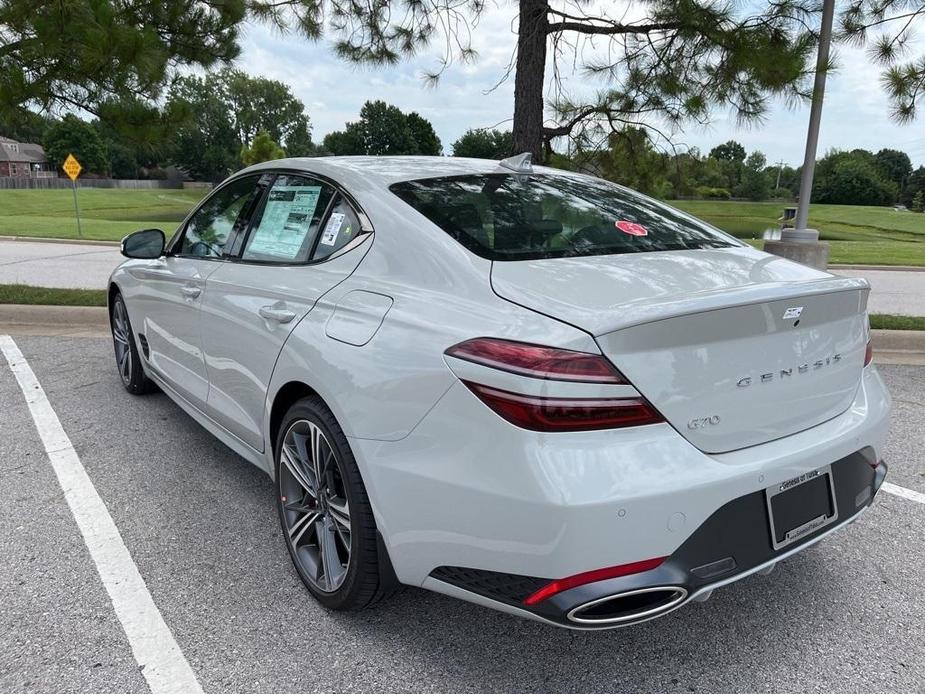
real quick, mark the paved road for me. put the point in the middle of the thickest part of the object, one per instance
(88, 267)
(199, 522)
(893, 291)
(67, 265)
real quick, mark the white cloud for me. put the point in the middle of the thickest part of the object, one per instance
(856, 112)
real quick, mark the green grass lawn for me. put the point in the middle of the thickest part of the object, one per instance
(104, 214)
(26, 294)
(861, 235)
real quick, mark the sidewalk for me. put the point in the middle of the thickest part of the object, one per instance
(62, 265)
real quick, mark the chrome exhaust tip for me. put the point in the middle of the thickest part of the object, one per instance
(626, 608)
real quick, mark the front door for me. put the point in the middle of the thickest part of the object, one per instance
(252, 303)
(173, 286)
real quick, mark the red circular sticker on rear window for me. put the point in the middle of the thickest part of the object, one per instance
(631, 228)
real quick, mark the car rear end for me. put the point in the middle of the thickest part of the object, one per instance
(728, 418)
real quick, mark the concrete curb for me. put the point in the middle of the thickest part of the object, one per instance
(44, 239)
(62, 320)
(879, 268)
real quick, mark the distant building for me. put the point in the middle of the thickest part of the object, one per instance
(24, 160)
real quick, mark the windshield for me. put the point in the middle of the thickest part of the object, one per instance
(523, 217)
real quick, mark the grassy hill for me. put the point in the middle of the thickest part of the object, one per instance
(865, 235)
(104, 214)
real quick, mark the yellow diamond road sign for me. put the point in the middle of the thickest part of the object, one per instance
(72, 167)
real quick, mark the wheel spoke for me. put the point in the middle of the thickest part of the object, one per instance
(330, 559)
(316, 454)
(298, 528)
(295, 470)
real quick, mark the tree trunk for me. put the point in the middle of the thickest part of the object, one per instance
(529, 78)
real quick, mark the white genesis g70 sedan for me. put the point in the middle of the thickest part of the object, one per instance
(527, 388)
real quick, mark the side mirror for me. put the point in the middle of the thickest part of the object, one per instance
(146, 244)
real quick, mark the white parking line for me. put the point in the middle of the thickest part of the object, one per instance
(162, 662)
(896, 490)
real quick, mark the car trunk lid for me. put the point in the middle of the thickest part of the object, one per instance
(733, 346)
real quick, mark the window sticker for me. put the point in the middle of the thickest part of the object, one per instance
(631, 228)
(286, 221)
(332, 228)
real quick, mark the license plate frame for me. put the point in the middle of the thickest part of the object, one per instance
(815, 521)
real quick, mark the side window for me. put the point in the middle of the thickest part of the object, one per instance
(209, 228)
(288, 224)
(341, 228)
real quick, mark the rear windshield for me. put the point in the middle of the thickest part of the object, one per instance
(523, 217)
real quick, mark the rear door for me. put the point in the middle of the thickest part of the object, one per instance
(304, 238)
(172, 287)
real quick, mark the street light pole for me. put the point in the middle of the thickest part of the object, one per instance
(815, 116)
(802, 244)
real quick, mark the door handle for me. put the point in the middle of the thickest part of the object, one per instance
(190, 292)
(280, 315)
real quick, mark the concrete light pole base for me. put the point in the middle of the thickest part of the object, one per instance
(801, 246)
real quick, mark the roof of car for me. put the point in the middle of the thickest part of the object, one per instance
(385, 170)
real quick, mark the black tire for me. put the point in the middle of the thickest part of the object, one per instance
(361, 583)
(128, 362)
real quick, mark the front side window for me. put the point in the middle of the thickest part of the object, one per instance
(288, 225)
(208, 229)
(523, 217)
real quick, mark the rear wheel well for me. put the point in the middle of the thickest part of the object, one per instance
(285, 398)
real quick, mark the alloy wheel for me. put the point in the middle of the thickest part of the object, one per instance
(316, 513)
(121, 334)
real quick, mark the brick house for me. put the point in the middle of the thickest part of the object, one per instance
(23, 160)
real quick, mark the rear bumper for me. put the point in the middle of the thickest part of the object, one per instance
(467, 489)
(732, 544)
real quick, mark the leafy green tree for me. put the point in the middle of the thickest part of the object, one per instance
(77, 54)
(258, 104)
(484, 144)
(894, 165)
(74, 136)
(384, 130)
(24, 125)
(755, 182)
(214, 116)
(918, 202)
(631, 160)
(204, 143)
(915, 184)
(728, 151)
(345, 142)
(423, 135)
(263, 148)
(851, 178)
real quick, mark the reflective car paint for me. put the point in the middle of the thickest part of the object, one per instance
(430, 452)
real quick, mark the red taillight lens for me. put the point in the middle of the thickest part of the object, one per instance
(537, 361)
(570, 582)
(869, 354)
(566, 414)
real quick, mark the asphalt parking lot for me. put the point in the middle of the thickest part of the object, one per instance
(200, 525)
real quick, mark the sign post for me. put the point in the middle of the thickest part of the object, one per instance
(73, 168)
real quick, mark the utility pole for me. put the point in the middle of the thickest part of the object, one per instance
(780, 167)
(802, 244)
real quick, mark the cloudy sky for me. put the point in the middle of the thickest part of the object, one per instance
(855, 115)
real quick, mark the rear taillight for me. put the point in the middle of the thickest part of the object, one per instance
(566, 414)
(551, 414)
(537, 361)
(869, 354)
